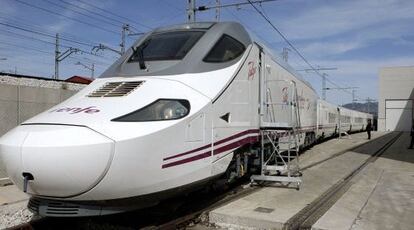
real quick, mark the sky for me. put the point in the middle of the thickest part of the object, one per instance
(355, 37)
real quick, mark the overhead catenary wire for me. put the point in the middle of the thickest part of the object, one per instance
(27, 24)
(48, 42)
(116, 15)
(43, 51)
(25, 47)
(32, 33)
(92, 16)
(98, 14)
(45, 34)
(9, 33)
(36, 51)
(284, 38)
(68, 17)
(289, 43)
(202, 8)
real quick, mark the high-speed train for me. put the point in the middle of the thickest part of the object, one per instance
(168, 116)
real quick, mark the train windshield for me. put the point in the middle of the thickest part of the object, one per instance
(166, 46)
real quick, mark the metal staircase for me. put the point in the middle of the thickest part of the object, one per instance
(280, 139)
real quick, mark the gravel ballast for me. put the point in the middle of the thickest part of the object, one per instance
(14, 214)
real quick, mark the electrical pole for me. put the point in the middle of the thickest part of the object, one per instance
(369, 100)
(285, 54)
(218, 4)
(56, 57)
(324, 75)
(191, 11)
(344, 88)
(125, 28)
(324, 86)
(91, 68)
(61, 56)
(353, 98)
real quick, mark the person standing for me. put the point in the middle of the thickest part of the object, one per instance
(369, 128)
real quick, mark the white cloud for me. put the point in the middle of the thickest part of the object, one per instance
(318, 49)
(337, 17)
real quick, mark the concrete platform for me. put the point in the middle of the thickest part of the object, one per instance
(11, 194)
(273, 207)
(383, 196)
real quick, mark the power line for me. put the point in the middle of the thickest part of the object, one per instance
(52, 43)
(37, 60)
(25, 47)
(62, 15)
(95, 13)
(91, 61)
(83, 14)
(10, 33)
(202, 8)
(290, 44)
(284, 38)
(116, 15)
(45, 34)
(23, 23)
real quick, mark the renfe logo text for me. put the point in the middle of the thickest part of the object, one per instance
(89, 110)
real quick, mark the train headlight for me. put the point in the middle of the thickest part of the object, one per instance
(159, 110)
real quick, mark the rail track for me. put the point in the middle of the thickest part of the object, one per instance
(177, 213)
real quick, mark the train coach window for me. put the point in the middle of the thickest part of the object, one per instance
(226, 49)
(159, 110)
(332, 118)
(166, 46)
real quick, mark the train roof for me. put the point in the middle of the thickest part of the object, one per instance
(204, 34)
(192, 63)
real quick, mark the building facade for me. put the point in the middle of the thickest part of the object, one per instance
(396, 96)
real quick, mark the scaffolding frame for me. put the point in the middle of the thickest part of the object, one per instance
(279, 153)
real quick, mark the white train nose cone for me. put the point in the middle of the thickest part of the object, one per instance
(63, 160)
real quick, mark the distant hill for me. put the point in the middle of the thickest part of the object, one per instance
(368, 107)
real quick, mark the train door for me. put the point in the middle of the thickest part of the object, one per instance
(235, 115)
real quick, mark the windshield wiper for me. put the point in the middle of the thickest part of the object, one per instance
(140, 52)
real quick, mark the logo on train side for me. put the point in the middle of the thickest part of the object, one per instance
(75, 110)
(285, 95)
(251, 71)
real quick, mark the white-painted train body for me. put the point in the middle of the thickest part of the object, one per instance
(169, 115)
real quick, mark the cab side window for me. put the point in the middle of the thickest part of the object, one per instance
(226, 49)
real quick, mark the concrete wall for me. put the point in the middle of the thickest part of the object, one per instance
(22, 98)
(394, 83)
